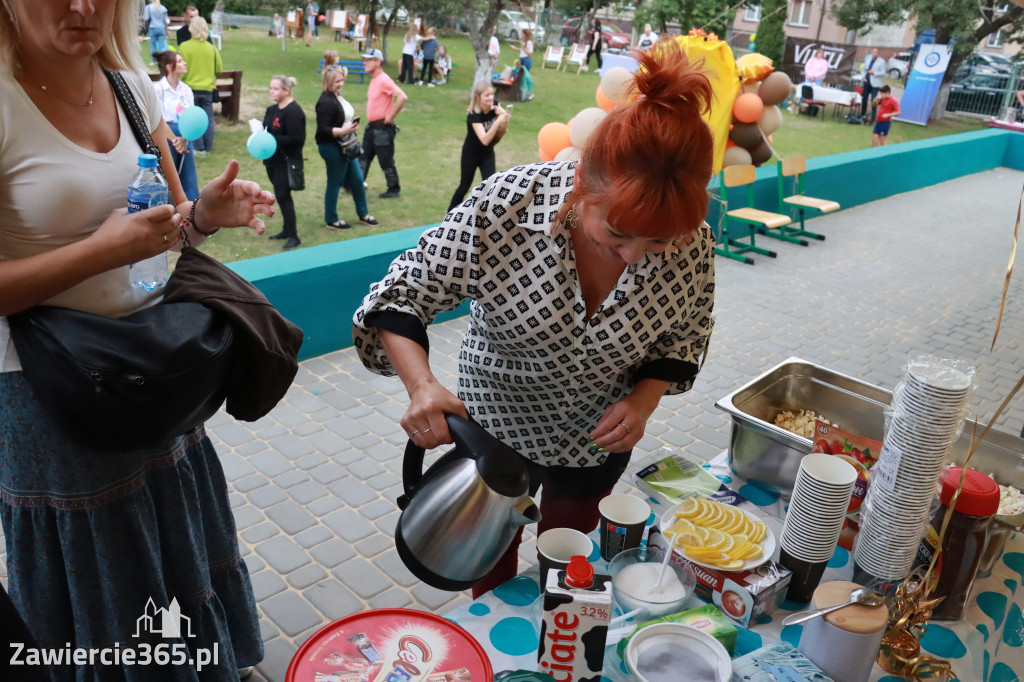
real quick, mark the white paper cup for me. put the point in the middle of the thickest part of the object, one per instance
(556, 546)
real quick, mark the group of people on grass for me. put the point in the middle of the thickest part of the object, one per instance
(423, 53)
(346, 159)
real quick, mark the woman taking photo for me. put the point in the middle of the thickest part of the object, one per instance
(204, 64)
(174, 98)
(286, 121)
(486, 124)
(93, 536)
(615, 266)
(336, 123)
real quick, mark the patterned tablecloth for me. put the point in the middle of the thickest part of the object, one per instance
(987, 645)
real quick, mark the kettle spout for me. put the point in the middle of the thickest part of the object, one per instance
(525, 512)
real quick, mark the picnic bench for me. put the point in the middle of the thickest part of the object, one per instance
(229, 90)
(507, 89)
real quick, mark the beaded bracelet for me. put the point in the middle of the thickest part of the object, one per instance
(191, 220)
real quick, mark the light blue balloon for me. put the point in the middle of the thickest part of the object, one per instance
(192, 123)
(262, 145)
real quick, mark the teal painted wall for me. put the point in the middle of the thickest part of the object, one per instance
(319, 288)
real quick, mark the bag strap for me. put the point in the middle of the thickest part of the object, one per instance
(131, 108)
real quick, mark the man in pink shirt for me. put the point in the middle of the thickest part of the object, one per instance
(384, 100)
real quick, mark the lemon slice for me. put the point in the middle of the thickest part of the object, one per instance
(731, 565)
(718, 540)
(760, 530)
(684, 526)
(734, 526)
(689, 539)
(688, 509)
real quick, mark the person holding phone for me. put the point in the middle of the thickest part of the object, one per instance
(486, 124)
(337, 140)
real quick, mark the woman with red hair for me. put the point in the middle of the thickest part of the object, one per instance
(592, 286)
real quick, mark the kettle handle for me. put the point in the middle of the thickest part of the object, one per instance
(412, 464)
(412, 472)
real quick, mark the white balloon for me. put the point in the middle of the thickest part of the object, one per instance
(568, 154)
(736, 156)
(583, 125)
(770, 120)
(615, 83)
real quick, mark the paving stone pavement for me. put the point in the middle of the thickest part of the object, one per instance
(314, 483)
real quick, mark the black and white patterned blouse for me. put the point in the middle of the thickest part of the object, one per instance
(533, 370)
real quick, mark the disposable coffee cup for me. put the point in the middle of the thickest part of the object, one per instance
(806, 576)
(556, 546)
(623, 519)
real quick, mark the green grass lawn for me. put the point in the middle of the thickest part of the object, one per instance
(432, 130)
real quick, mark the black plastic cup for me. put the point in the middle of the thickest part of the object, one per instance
(806, 576)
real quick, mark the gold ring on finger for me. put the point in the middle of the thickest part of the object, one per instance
(165, 239)
(628, 430)
(426, 430)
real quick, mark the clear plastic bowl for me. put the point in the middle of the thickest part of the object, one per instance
(632, 587)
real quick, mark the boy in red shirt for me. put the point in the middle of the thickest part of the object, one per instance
(888, 106)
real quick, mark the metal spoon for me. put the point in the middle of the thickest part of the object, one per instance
(862, 595)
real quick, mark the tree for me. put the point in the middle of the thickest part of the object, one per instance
(706, 14)
(962, 24)
(480, 26)
(771, 32)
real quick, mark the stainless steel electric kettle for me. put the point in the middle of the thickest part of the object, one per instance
(460, 516)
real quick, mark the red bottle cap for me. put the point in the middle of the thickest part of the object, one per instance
(980, 496)
(579, 573)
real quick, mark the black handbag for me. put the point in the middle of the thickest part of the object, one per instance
(350, 147)
(122, 384)
(296, 174)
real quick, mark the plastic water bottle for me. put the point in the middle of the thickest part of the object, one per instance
(148, 189)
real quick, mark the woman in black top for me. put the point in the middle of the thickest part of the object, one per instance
(596, 41)
(336, 122)
(286, 121)
(486, 124)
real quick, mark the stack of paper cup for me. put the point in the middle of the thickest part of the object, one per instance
(925, 415)
(817, 510)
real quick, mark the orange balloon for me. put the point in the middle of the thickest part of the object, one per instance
(729, 144)
(748, 107)
(544, 156)
(569, 122)
(602, 101)
(553, 138)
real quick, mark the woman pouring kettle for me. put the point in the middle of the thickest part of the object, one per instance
(592, 286)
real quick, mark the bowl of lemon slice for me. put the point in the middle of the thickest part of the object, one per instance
(715, 535)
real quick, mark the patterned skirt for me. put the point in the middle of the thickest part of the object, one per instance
(122, 551)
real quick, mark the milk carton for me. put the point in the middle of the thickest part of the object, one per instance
(577, 609)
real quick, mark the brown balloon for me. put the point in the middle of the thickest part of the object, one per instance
(775, 88)
(746, 135)
(760, 153)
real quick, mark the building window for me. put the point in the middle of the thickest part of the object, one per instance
(753, 13)
(801, 13)
(995, 39)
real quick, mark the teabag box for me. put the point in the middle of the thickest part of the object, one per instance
(577, 608)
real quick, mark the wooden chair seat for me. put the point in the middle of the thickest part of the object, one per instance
(759, 217)
(823, 205)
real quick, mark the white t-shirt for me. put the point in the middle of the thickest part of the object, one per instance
(409, 46)
(173, 101)
(646, 41)
(528, 51)
(57, 193)
(493, 48)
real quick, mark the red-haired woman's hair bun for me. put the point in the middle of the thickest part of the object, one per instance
(649, 161)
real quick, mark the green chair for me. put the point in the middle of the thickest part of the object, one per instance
(795, 167)
(752, 219)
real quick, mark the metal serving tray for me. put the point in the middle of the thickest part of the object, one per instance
(763, 453)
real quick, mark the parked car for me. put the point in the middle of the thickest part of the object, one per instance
(402, 17)
(899, 64)
(614, 37)
(980, 93)
(511, 25)
(983, 62)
